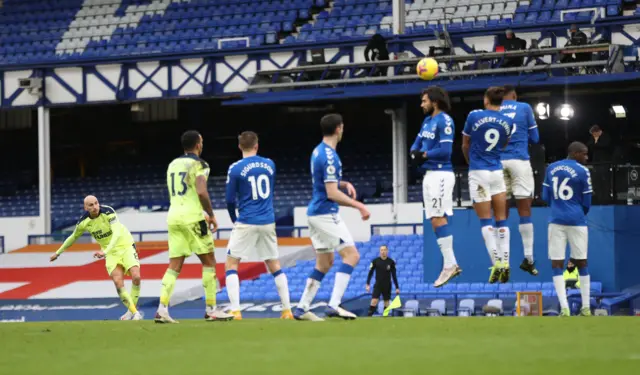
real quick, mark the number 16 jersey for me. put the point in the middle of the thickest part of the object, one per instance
(185, 205)
(251, 181)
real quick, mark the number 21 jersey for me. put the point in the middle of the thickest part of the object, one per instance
(489, 131)
(251, 181)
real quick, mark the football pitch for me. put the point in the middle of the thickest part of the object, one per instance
(398, 346)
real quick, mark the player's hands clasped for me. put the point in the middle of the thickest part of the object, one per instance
(98, 254)
(54, 257)
(367, 288)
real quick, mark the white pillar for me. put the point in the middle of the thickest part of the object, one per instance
(44, 167)
(399, 139)
(398, 16)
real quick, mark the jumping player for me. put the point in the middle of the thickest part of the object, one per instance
(117, 247)
(518, 175)
(251, 180)
(567, 190)
(327, 230)
(189, 230)
(434, 145)
(486, 132)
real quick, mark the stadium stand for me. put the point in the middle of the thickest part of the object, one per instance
(407, 251)
(50, 31)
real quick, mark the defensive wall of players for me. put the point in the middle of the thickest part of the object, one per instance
(220, 74)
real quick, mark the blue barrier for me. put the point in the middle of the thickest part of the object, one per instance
(139, 236)
(613, 251)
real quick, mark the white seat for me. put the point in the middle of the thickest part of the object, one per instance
(436, 14)
(386, 20)
(463, 3)
(485, 10)
(452, 3)
(478, 2)
(411, 308)
(440, 4)
(473, 10)
(437, 308)
(466, 307)
(469, 19)
(449, 11)
(497, 303)
(498, 8)
(510, 7)
(414, 6)
(460, 12)
(424, 14)
(524, 2)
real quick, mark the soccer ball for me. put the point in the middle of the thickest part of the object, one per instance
(427, 68)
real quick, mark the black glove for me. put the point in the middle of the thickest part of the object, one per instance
(417, 158)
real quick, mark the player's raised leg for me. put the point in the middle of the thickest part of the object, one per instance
(557, 241)
(503, 235)
(578, 238)
(117, 275)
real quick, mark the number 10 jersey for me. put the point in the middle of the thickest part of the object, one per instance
(251, 181)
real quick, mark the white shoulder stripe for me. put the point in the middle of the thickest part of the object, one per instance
(446, 140)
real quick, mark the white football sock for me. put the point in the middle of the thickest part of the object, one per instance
(282, 284)
(526, 232)
(233, 291)
(309, 293)
(561, 291)
(585, 290)
(489, 236)
(503, 244)
(446, 248)
(340, 285)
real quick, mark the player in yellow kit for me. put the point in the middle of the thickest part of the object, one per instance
(189, 230)
(117, 247)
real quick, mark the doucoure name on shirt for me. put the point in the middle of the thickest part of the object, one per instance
(250, 166)
(484, 120)
(565, 168)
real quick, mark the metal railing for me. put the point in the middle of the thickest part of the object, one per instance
(154, 235)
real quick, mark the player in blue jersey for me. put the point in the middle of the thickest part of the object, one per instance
(434, 144)
(518, 175)
(567, 190)
(251, 181)
(327, 230)
(486, 133)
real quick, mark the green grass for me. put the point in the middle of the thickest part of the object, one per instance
(597, 345)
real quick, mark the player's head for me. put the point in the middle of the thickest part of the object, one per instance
(434, 97)
(91, 205)
(571, 266)
(578, 151)
(248, 142)
(510, 92)
(493, 97)
(332, 125)
(384, 251)
(192, 142)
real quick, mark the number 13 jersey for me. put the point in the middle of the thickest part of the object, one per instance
(185, 205)
(251, 181)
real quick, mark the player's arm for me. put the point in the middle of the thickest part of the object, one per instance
(534, 135)
(416, 152)
(348, 186)
(203, 194)
(466, 138)
(372, 269)
(546, 190)
(334, 194)
(394, 276)
(77, 232)
(230, 195)
(444, 149)
(587, 193)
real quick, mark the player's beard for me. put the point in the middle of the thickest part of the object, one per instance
(428, 111)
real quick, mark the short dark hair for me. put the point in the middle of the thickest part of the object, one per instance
(495, 95)
(508, 89)
(438, 95)
(329, 123)
(576, 147)
(595, 128)
(190, 139)
(247, 140)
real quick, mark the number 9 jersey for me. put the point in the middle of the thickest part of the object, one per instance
(185, 205)
(251, 181)
(489, 132)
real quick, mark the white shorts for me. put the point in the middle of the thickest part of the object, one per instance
(437, 193)
(577, 237)
(329, 232)
(518, 178)
(246, 238)
(485, 184)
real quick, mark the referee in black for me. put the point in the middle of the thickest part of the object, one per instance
(385, 269)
